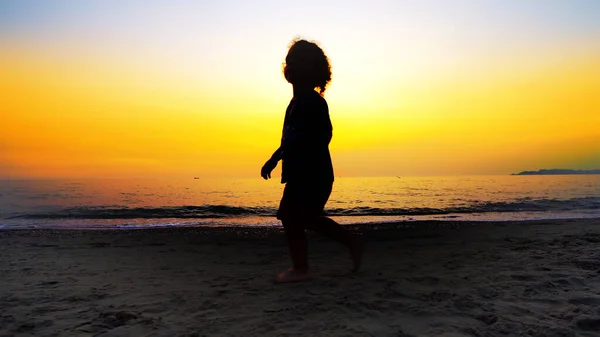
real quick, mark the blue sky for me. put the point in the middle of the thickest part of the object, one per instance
(537, 19)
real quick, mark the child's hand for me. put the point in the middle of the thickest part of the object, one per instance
(265, 172)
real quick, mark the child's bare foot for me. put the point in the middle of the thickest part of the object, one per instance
(357, 249)
(293, 275)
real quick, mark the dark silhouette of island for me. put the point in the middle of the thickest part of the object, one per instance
(555, 172)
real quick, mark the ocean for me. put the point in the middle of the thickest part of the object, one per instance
(148, 203)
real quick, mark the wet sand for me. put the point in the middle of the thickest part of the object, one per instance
(536, 278)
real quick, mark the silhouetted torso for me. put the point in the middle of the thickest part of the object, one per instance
(307, 131)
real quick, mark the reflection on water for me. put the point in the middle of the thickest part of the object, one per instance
(351, 196)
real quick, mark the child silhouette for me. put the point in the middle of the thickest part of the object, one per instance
(307, 170)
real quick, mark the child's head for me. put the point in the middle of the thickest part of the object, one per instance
(307, 65)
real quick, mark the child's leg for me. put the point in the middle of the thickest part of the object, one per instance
(331, 229)
(297, 243)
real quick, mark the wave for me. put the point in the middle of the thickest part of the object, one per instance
(224, 211)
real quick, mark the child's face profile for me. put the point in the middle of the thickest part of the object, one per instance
(298, 65)
(307, 66)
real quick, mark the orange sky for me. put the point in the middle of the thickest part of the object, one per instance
(79, 100)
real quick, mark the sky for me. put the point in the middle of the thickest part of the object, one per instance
(194, 88)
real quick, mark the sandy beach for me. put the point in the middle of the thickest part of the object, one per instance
(537, 278)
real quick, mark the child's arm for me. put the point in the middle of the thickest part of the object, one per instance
(270, 165)
(276, 155)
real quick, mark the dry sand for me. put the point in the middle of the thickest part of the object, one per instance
(419, 279)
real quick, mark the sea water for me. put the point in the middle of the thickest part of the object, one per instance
(146, 203)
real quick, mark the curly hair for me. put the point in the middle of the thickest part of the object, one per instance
(307, 64)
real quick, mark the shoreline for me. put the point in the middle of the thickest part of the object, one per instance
(253, 222)
(372, 231)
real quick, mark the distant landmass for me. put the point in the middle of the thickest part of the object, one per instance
(555, 171)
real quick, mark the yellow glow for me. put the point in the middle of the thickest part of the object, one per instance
(100, 118)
